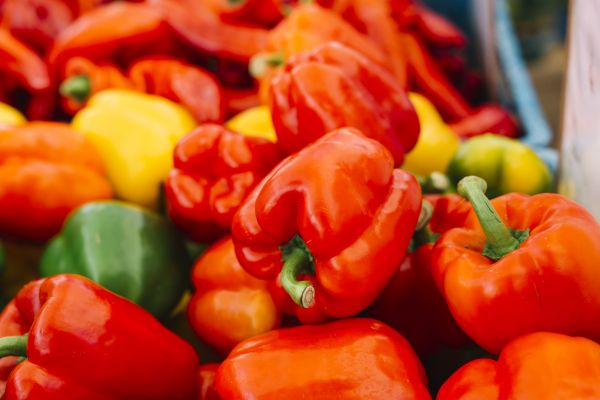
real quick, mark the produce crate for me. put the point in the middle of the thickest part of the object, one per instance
(494, 49)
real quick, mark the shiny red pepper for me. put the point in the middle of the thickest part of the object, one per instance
(214, 170)
(206, 382)
(520, 264)
(259, 12)
(411, 302)
(489, 118)
(348, 359)
(229, 305)
(118, 32)
(541, 365)
(22, 69)
(184, 83)
(76, 327)
(334, 86)
(337, 212)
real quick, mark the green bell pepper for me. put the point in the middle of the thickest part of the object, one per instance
(131, 251)
(506, 164)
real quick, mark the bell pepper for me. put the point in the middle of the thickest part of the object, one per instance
(541, 365)
(348, 359)
(229, 304)
(240, 99)
(83, 79)
(437, 141)
(10, 116)
(254, 122)
(520, 264)
(506, 164)
(337, 213)
(38, 22)
(334, 87)
(46, 170)
(484, 119)
(21, 68)
(195, 24)
(411, 303)
(184, 83)
(131, 354)
(375, 19)
(128, 250)
(206, 382)
(135, 134)
(307, 27)
(214, 171)
(256, 12)
(118, 32)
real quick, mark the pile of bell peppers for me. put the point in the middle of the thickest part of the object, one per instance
(264, 199)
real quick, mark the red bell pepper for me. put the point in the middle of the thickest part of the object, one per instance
(411, 303)
(84, 78)
(73, 326)
(199, 27)
(206, 382)
(118, 32)
(520, 264)
(186, 84)
(334, 87)
(337, 212)
(348, 359)
(541, 365)
(214, 170)
(21, 68)
(489, 118)
(229, 305)
(46, 171)
(256, 12)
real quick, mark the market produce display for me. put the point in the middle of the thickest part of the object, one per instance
(265, 199)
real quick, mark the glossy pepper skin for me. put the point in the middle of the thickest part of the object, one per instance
(254, 122)
(119, 32)
(255, 12)
(214, 171)
(10, 116)
(128, 250)
(334, 87)
(196, 25)
(348, 359)
(411, 303)
(319, 209)
(437, 142)
(229, 304)
(206, 382)
(536, 366)
(506, 164)
(153, 363)
(485, 119)
(22, 68)
(135, 134)
(84, 78)
(185, 84)
(528, 266)
(46, 169)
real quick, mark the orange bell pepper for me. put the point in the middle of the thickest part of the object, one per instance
(520, 264)
(541, 365)
(46, 170)
(229, 304)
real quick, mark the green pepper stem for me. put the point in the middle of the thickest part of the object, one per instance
(263, 62)
(436, 182)
(77, 87)
(500, 239)
(425, 215)
(302, 292)
(14, 346)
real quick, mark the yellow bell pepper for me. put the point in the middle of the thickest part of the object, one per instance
(437, 141)
(255, 121)
(135, 134)
(10, 116)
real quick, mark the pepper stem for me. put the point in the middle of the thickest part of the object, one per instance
(297, 260)
(14, 346)
(261, 63)
(500, 239)
(77, 87)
